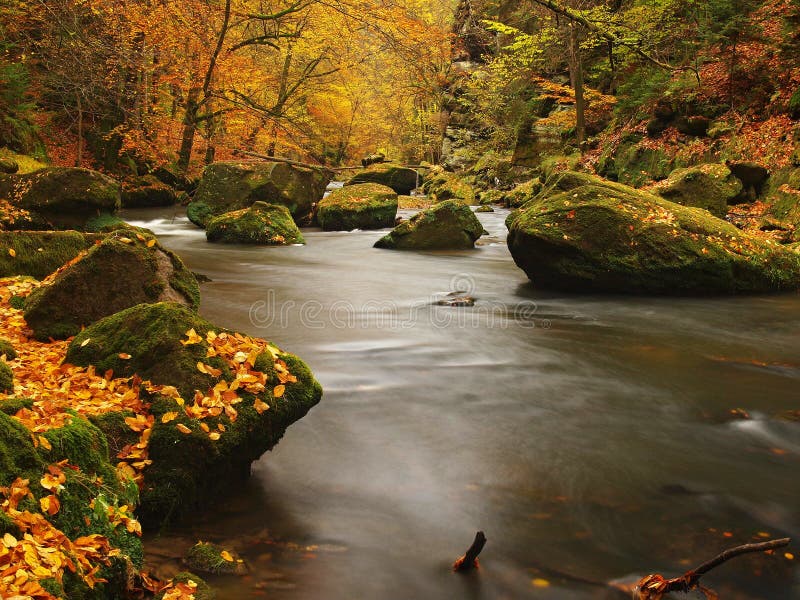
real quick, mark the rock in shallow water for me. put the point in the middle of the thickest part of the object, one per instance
(447, 225)
(360, 206)
(267, 224)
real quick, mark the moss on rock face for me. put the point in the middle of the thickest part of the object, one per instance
(442, 185)
(39, 253)
(229, 186)
(202, 592)
(64, 197)
(783, 198)
(262, 223)
(635, 163)
(709, 186)
(206, 557)
(116, 274)
(447, 225)
(190, 468)
(359, 206)
(6, 378)
(611, 238)
(147, 191)
(7, 349)
(401, 179)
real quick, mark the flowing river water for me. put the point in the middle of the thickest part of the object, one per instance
(590, 437)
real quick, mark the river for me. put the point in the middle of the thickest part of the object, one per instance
(590, 437)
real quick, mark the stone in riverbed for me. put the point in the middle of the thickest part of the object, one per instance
(447, 225)
(192, 468)
(262, 223)
(118, 273)
(147, 191)
(39, 253)
(229, 186)
(607, 237)
(709, 186)
(360, 206)
(401, 179)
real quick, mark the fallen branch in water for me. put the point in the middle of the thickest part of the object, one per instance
(470, 559)
(653, 587)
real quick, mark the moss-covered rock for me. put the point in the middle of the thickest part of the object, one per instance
(710, 186)
(147, 191)
(117, 273)
(360, 206)
(202, 591)
(634, 162)
(608, 237)
(447, 225)
(229, 186)
(206, 557)
(401, 179)
(522, 193)
(39, 253)
(783, 198)
(262, 223)
(62, 196)
(7, 350)
(6, 378)
(484, 208)
(443, 185)
(8, 166)
(191, 468)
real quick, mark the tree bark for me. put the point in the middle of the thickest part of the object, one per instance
(580, 102)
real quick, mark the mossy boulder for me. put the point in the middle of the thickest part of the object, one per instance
(147, 191)
(229, 186)
(360, 206)
(39, 253)
(634, 162)
(117, 273)
(447, 225)
(522, 193)
(6, 378)
(206, 557)
(64, 197)
(607, 237)
(443, 185)
(7, 349)
(8, 166)
(783, 197)
(484, 208)
(401, 179)
(262, 223)
(710, 186)
(190, 469)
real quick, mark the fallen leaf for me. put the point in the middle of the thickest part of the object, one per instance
(169, 416)
(226, 555)
(183, 428)
(86, 341)
(124, 356)
(278, 391)
(12, 252)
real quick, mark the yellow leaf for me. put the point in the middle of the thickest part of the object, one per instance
(214, 435)
(124, 356)
(151, 243)
(9, 541)
(183, 428)
(86, 341)
(126, 240)
(44, 443)
(260, 406)
(140, 237)
(169, 416)
(192, 338)
(540, 583)
(278, 391)
(12, 252)
(202, 368)
(226, 555)
(204, 427)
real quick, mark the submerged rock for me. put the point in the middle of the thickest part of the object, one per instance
(262, 223)
(229, 186)
(359, 206)
(709, 186)
(447, 225)
(117, 273)
(61, 197)
(401, 179)
(608, 237)
(205, 557)
(189, 465)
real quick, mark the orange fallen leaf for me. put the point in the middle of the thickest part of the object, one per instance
(278, 391)
(124, 356)
(12, 252)
(151, 243)
(226, 555)
(169, 416)
(183, 428)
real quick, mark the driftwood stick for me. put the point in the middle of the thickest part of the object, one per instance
(470, 559)
(655, 586)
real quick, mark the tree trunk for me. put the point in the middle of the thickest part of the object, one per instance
(189, 129)
(79, 149)
(580, 102)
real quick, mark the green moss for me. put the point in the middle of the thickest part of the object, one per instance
(6, 378)
(83, 444)
(25, 163)
(262, 223)
(199, 213)
(207, 558)
(443, 185)
(7, 349)
(203, 591)
(114, 275)
(633, 163)
(608, 237)
(794, 104)
(485, 209)
(401, 179)
(360, 206)
(105, 222)
(18, 457)
(17, 302)
(12, 405)
(709, 186)
(447, 225)
(39, 253)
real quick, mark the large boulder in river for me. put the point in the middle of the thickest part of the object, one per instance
(61, 197)
(444, 226)
(401, 179)
(117, 273)
(231, 399)
(443, 185)
(607, 237)
(228, 186)
(709, 186)
(360, 206)
(39, 253)
(147, 191)
(262, 223)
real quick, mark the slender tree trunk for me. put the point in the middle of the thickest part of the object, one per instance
(189, 129)
(580, 102)
(79, 149)
(282, 87)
